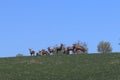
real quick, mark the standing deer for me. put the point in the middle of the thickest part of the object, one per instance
(65, 51)
(59, 48)
(71, 48)
(32, 52)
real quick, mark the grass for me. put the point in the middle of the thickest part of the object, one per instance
(62, 67)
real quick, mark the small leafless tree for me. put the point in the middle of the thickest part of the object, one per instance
(104, 47)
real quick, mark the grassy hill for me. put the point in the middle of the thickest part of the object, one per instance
(62, 67)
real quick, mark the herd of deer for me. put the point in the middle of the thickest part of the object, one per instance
(74, 48)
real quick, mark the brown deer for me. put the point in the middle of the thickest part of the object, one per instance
(81, 48)
(32, 52)
(38, 53)
(44, 52)
(65, 51)
(71, 48)
(51, 50)
(59, 48)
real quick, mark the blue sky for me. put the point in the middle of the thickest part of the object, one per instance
(38, 24)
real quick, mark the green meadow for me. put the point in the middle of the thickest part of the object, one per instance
(61, 67)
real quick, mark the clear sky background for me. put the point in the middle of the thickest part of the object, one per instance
(38, 24)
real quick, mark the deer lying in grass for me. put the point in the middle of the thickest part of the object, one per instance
(51, 51)
(38, 53)
(44, 52)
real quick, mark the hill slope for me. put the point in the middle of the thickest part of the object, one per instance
(62, 67)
